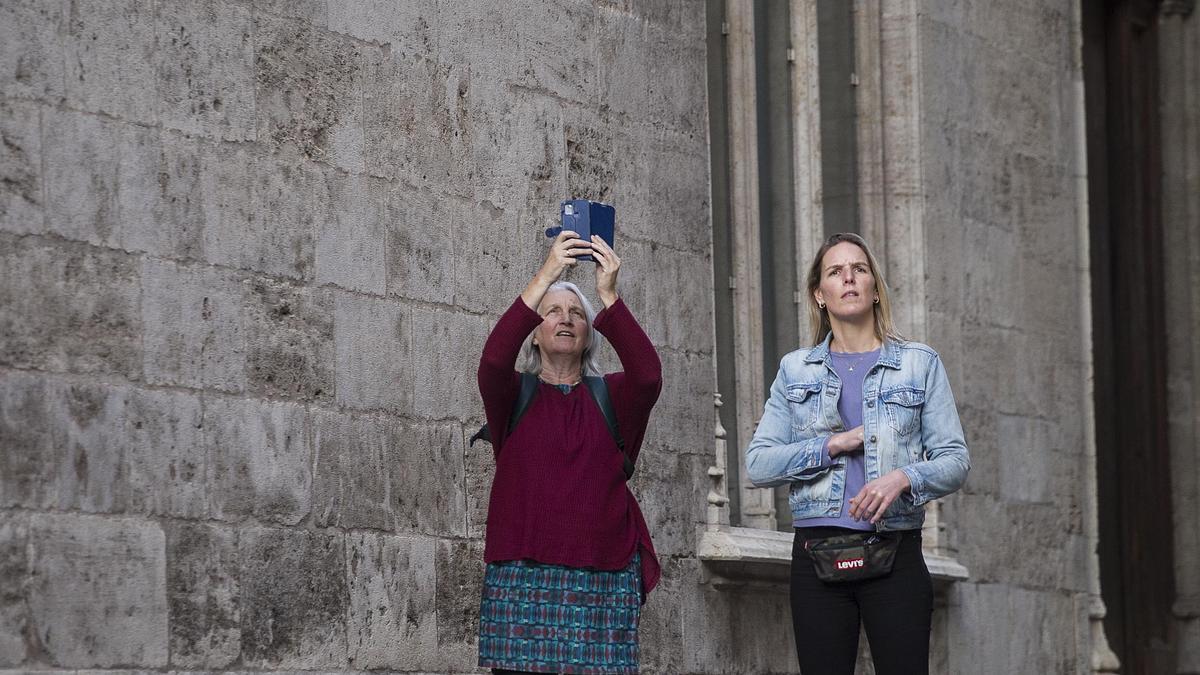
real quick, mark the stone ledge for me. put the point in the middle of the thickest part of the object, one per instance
(736, 556)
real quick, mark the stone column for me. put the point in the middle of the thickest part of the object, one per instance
(1179, 67)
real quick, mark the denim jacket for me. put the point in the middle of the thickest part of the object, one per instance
(909, 423)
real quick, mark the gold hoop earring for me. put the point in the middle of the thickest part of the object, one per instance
(821, 305)
(877, 299)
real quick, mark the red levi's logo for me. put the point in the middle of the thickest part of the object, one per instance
(850, 564)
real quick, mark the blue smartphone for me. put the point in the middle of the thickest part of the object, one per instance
(587, 218)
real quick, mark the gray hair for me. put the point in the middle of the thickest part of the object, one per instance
(532, 362)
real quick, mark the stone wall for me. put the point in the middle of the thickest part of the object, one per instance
(249, 252)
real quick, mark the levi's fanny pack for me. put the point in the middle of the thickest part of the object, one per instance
(854, 556)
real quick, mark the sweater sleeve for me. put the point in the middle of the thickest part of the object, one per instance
(636, 388)
(498, 380)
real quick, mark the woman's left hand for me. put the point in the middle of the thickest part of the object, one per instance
(874, 499)
(607, 266)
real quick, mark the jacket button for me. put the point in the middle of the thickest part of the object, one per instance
(872, 438)
(870, 404)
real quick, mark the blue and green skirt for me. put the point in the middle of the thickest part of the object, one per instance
(554, 619)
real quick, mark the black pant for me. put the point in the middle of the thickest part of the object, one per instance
(895, 610)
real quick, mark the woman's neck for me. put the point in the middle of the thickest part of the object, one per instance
(853, 337)
(564, 371)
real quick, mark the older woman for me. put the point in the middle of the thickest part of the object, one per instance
(569, 557)
(863, 427)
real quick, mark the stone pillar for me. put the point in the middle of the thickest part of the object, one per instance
(1179, 87)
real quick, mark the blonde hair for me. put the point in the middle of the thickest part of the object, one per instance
(818, 317)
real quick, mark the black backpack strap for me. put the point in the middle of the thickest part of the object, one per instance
(529, 387)
(599, 390)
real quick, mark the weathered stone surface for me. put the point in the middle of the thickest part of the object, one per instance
(355, 456)
(109, 55)
(448, 345)
(203, 594)
(416, 120)
(419, 251)
(977, 608)
(479, 469)
(259, 458)
(14, 580)
(393, 589)
(98, 591)
(294, 599)
(1002, 554)
(309, 91)
(670, 488)
(684, 416)
(495, 259)
(63, 444)
(193, 322)
(407, 27)
(31, 57)
(459, 567)
(21, 190)
(351, 248)
(165, 463)
(205, 69)
(95, 326)
(290, 341)
(373, 339)
(650, 273)
(82, 158)
(275, 233)
(427, 481)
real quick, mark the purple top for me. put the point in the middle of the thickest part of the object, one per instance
(851, 369)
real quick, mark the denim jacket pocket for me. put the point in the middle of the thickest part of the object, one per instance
(902, 406)
(804, 403)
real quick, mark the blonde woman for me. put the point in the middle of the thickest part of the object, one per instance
(863, 428)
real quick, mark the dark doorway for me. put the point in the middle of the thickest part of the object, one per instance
(1133, 461)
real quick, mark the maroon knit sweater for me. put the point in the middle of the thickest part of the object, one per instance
(559, 495)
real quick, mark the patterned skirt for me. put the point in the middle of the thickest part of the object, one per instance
(553, 619)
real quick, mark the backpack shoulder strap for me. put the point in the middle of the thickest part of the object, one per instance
(529, 387)
(525, 396)
(599, 391)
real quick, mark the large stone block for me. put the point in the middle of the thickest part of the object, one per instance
(685, 417)
(652, 274)
(82, 160)
(980, 611)
(623, 63)
(448, 345)
(352, 486)
(671, 488)
(109, 53)
(31, 49)
(351, 248)
(22, 193)
(495, 259)
(428, 481)
(259, 456)
(203, 593)
(165, 463)
(288, 203)
(69, 308)
(419, 251)
(393, 595)
(14, 581)
(295, 599)
(416, 121)
(678, 83)
(62, 444)
(205, 69)
(98, 591)
(309, 88)
(194, 329)
(290, 341)
(459, 566)
(373, 339)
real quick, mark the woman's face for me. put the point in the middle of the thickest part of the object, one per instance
(564, 327)
(847, 287)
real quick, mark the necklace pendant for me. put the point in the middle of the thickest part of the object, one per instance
(852, 369)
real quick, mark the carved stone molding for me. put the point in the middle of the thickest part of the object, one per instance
(1177, 7)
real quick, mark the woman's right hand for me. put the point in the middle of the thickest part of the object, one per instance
(846, 441)
(562, 254)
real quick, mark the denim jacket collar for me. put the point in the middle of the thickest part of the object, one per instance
(889, 354)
